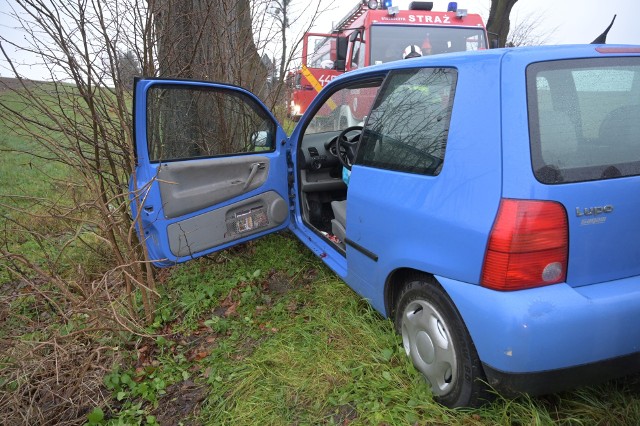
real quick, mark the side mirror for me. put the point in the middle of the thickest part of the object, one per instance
(495, 40)
(342, 43)
(261, 140)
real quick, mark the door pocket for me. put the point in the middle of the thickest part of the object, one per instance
(223, 225)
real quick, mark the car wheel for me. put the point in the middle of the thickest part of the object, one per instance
(438, 343)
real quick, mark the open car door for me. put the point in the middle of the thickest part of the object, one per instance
(211, 168)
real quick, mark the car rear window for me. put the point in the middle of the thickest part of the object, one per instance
(584, 119)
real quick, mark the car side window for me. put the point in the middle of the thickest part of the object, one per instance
(197, 122)
(347, 106)
(408, 126)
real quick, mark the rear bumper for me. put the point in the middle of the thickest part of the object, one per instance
(545, 382)
(537, 340)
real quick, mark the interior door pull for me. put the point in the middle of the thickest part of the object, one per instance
(252, 173)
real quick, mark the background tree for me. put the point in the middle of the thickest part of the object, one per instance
(127, 68)
(279, 11)
(524, 31)
(81, 119)
(498, 22)
(208, 40)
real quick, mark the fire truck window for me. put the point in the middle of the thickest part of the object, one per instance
(186, 122)
(357, 58)
(348, 106)
(319, 51)
(356, 55)
(409, 124)
(387, 42)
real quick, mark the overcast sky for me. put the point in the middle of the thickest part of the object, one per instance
(568, 21)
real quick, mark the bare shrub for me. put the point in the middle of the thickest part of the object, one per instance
(72, 270)
(81, 123)
(53, 382)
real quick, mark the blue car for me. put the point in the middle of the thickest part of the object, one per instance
(488, 202)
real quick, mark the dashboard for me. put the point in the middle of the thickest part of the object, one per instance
(319, 151)
(320, 168)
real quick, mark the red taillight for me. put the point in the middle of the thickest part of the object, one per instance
(528, 246)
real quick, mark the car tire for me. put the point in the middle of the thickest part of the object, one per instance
(438, 343)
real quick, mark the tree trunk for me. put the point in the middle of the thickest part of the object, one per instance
(498, 22)
(208, 40)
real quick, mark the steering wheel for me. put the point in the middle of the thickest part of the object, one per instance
(347, 147)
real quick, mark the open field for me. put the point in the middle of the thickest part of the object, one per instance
(261, 334)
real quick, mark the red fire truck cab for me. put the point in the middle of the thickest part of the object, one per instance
(375, 32)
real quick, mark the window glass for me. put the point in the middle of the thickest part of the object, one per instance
(388, 42)
(319, 51)
(603, 80)
(192, 122)
(348, 106)
(408, 127)
(584, 119)
(355, 59)
(359, 51)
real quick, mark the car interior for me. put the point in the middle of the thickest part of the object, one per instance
(323, 191)
(329, 144)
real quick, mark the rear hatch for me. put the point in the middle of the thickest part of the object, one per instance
(584, 133)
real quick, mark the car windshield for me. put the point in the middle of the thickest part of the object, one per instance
(388, 42)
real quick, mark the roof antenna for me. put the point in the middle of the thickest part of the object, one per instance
(602, 38)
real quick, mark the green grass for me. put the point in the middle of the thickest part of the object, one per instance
(331, 359)
(279, 339)
(27, 183)
(34, 189)
(25, 180)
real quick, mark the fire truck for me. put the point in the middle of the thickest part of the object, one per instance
(374, 32)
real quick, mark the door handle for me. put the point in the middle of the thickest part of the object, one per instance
(252, 174)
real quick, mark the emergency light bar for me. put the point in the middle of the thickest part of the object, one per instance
(421, 5)
(453, 7)
(374, 4)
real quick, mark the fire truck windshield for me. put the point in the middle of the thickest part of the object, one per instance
(388, 42)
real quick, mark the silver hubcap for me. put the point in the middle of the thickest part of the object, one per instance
(428, 343)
